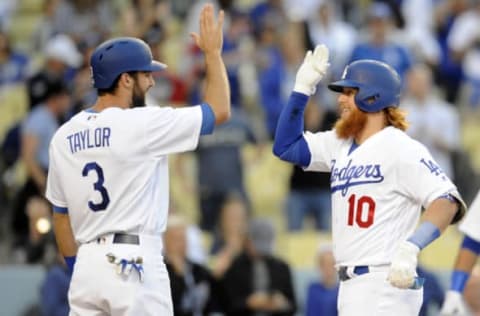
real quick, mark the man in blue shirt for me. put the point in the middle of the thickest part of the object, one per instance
(378, 46)
(36, 132)
(322, 294)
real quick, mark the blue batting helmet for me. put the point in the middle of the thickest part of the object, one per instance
(378, 84)
(116, 56)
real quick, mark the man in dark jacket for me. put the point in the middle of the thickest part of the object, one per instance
(258, 283)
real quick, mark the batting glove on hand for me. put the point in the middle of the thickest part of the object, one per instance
(404, 265)
(453, 305)
(312, 70)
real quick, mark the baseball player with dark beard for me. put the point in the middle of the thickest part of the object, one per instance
(466, 258)
(380, 181)
(108, 177)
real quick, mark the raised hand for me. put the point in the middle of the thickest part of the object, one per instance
(312, 70)
(210, 37)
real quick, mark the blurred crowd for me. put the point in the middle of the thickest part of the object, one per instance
(45, 79)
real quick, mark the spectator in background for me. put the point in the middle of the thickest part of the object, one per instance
(54, 290)
(378, 44)
(13, 64)
(272, 10)
(236, 32)
(7, 10)
(45, 28)
(326, 26)
(36, 132)
(140, 16)
(62, 56)
(85, 18)
(449, 73)
(192, 286)
(82, 92)
(169, 87)
(222, 149)
(257, 282)
(419, 30)
(322, 295)
(433, 122)
(432, 292)
(229, 238)
(464, 42)
(40, 243)
(309, 192)
(270, 67)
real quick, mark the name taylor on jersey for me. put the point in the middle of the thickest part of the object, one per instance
(89, 138)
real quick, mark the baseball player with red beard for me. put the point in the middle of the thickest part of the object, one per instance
(108, 175)
(380, 181)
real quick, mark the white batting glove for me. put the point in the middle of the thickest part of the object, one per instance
(453, 305)
(312, 70)
(404, 265)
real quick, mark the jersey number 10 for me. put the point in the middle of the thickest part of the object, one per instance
(356, 210)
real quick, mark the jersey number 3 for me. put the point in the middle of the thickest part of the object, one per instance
(97, 186)
(356, 210)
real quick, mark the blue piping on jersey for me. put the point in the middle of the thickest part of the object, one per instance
(61, 210)
(471, 244)
(353, 147)
(208, 119)
(90, 110)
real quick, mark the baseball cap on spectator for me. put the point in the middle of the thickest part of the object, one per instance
(379, 10)
(154, 35)
(262, 235)
(62, 48)
(55, 87)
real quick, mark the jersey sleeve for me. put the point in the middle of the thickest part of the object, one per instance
(54, 192)
(170, 131)
(322, 146)
(420, 177)
(470, 225)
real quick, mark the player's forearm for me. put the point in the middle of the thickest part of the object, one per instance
(466, 259)
(64, 235)
(435, 220)
(441, 213)
(467, 256)
(217, 90)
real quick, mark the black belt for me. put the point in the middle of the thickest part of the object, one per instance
(122, 238)
(358, 270)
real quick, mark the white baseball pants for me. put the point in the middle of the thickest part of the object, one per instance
(96, 288)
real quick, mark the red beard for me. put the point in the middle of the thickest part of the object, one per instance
(351, 125)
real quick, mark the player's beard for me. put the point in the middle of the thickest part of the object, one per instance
(138, 96)
(351, 125)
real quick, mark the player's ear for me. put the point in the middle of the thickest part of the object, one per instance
(126, 79)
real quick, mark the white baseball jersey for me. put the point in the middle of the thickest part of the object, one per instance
(110, 169)
(378, 190)
(471, 223)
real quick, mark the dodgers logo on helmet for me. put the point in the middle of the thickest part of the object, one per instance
(379, 85)
(116, 56)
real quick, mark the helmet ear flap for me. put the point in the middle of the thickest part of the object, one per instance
(367, 99)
